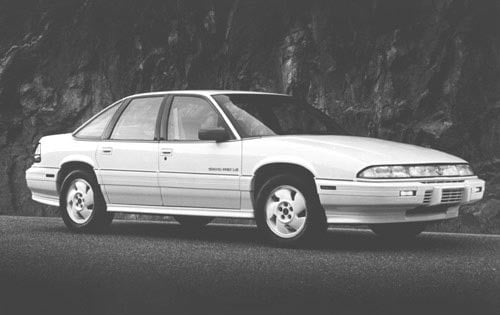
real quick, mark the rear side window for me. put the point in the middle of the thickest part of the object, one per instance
(95, 128)
(138, 120)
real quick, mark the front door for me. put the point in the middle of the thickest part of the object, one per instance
(196, 173)
(128, 160)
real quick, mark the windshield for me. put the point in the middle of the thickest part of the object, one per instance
(255, 115)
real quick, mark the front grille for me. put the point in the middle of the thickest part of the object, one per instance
(427, 197)
(452, 195)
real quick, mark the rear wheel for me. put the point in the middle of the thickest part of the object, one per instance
(288, 211)
(192, 222)
(398, 231)
(82, 204)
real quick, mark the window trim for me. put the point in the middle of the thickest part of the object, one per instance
(109, 131)
(118, 103)
(166, 115)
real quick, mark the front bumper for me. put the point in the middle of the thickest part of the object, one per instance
(370, 202)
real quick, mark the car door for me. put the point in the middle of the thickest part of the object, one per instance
(196, 173)
(128, 159)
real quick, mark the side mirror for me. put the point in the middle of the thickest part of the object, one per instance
(215, 134)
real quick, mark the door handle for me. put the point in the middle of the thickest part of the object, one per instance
(107, 150)
(166, 152)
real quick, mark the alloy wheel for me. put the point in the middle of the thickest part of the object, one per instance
(286, 211)
(80, 201)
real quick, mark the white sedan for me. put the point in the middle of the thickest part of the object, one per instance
(197, 155)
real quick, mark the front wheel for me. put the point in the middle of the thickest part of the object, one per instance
(82, 204)
(288, 211)
(398, 231)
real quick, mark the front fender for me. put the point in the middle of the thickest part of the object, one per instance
(286, 159)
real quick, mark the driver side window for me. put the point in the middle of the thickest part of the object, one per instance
(188, 115)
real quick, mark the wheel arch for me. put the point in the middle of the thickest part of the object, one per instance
(266, 171)
(70, 166)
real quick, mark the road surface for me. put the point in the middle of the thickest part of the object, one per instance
(154, 267)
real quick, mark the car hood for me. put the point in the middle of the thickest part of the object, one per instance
(372, 151)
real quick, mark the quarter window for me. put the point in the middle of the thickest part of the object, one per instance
(138, 120)
(96, 126)
(188, 115)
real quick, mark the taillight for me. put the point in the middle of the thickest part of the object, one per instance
(37, 156)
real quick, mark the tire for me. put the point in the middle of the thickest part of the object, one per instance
(288, 211)
(82, 204)
(398, 231)
(192, 222)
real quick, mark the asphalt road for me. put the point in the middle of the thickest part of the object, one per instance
(154, 267)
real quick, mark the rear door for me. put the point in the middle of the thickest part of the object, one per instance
(128, 159)
(196, 173)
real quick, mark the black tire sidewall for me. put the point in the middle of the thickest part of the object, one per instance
(99, 217)
(315, 221)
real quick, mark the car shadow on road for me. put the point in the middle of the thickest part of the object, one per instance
(333, 240)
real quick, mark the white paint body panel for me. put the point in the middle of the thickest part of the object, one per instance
(215, 179)
(200, 174)
(129, 173)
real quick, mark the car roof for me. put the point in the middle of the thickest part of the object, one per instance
(203, 93)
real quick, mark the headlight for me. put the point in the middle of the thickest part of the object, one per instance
(406, 171)
(37, 156)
